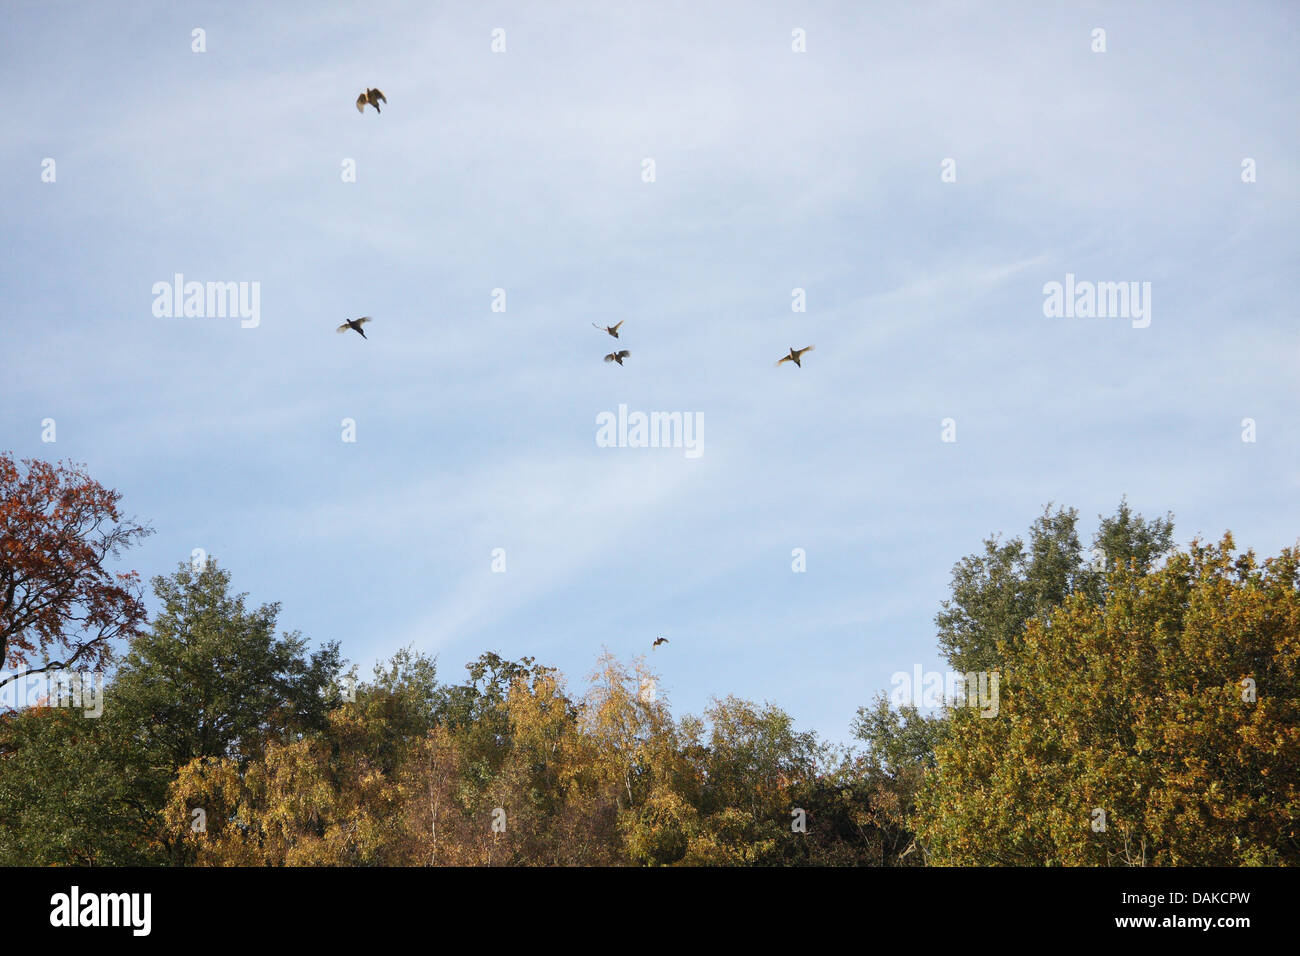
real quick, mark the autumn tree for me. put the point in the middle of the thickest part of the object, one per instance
(314, 801)
(530, 789)
(59, 603)
(994, 595)
(1159, 725)
(565, 803)
(326, 795)
(751, 761)
(438, 829)
(627, 718)
(476, 715)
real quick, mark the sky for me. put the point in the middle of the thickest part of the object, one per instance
(827, 169)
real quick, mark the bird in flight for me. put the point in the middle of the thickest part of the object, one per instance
(354, 325)
(660, 640)
(611, 329)
(373, 97)
(617, 356)
(795, 355)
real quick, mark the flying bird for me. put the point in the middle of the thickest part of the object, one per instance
(795, 355)
(611, 329)
(617, 356)
(354, 325)
(660, 640)
(373, 97)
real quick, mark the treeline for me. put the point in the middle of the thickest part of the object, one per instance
(223, 743)
(1145, 713)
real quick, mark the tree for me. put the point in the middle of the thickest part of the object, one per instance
(475, 712)
(751, 763)
(629, 724)
(68, 792)
(436, 828)
(58, 529)
(900, 752)
(327, 796)
(367, 790)
(1159, 725)
(994, 594)
(397, 707)
(209, 680)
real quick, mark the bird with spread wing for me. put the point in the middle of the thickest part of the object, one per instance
(354, 325)
(795, 355)
(611, 329)
(373, 97)
(617, 356)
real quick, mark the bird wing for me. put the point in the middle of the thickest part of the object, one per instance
(380, 95)
(343, 328)
(625, 354)
(615, 327)
(609, 357)
(595, 326)
(361, 103)
(363, 320)
(784, 359)
(808, 349)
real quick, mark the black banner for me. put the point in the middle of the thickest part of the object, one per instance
(922, 906)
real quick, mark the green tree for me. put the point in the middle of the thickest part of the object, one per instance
(67, 792)
(209, 679)
(996, 592)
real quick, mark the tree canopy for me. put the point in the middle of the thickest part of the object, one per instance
(1147, 713)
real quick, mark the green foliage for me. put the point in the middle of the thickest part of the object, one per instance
(997, 592)
(899, 741)
(67, 793)
(209, 679)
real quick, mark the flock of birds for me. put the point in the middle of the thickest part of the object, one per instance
(373, 97)
(617, 355)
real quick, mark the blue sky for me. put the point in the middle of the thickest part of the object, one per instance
(775, 170)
